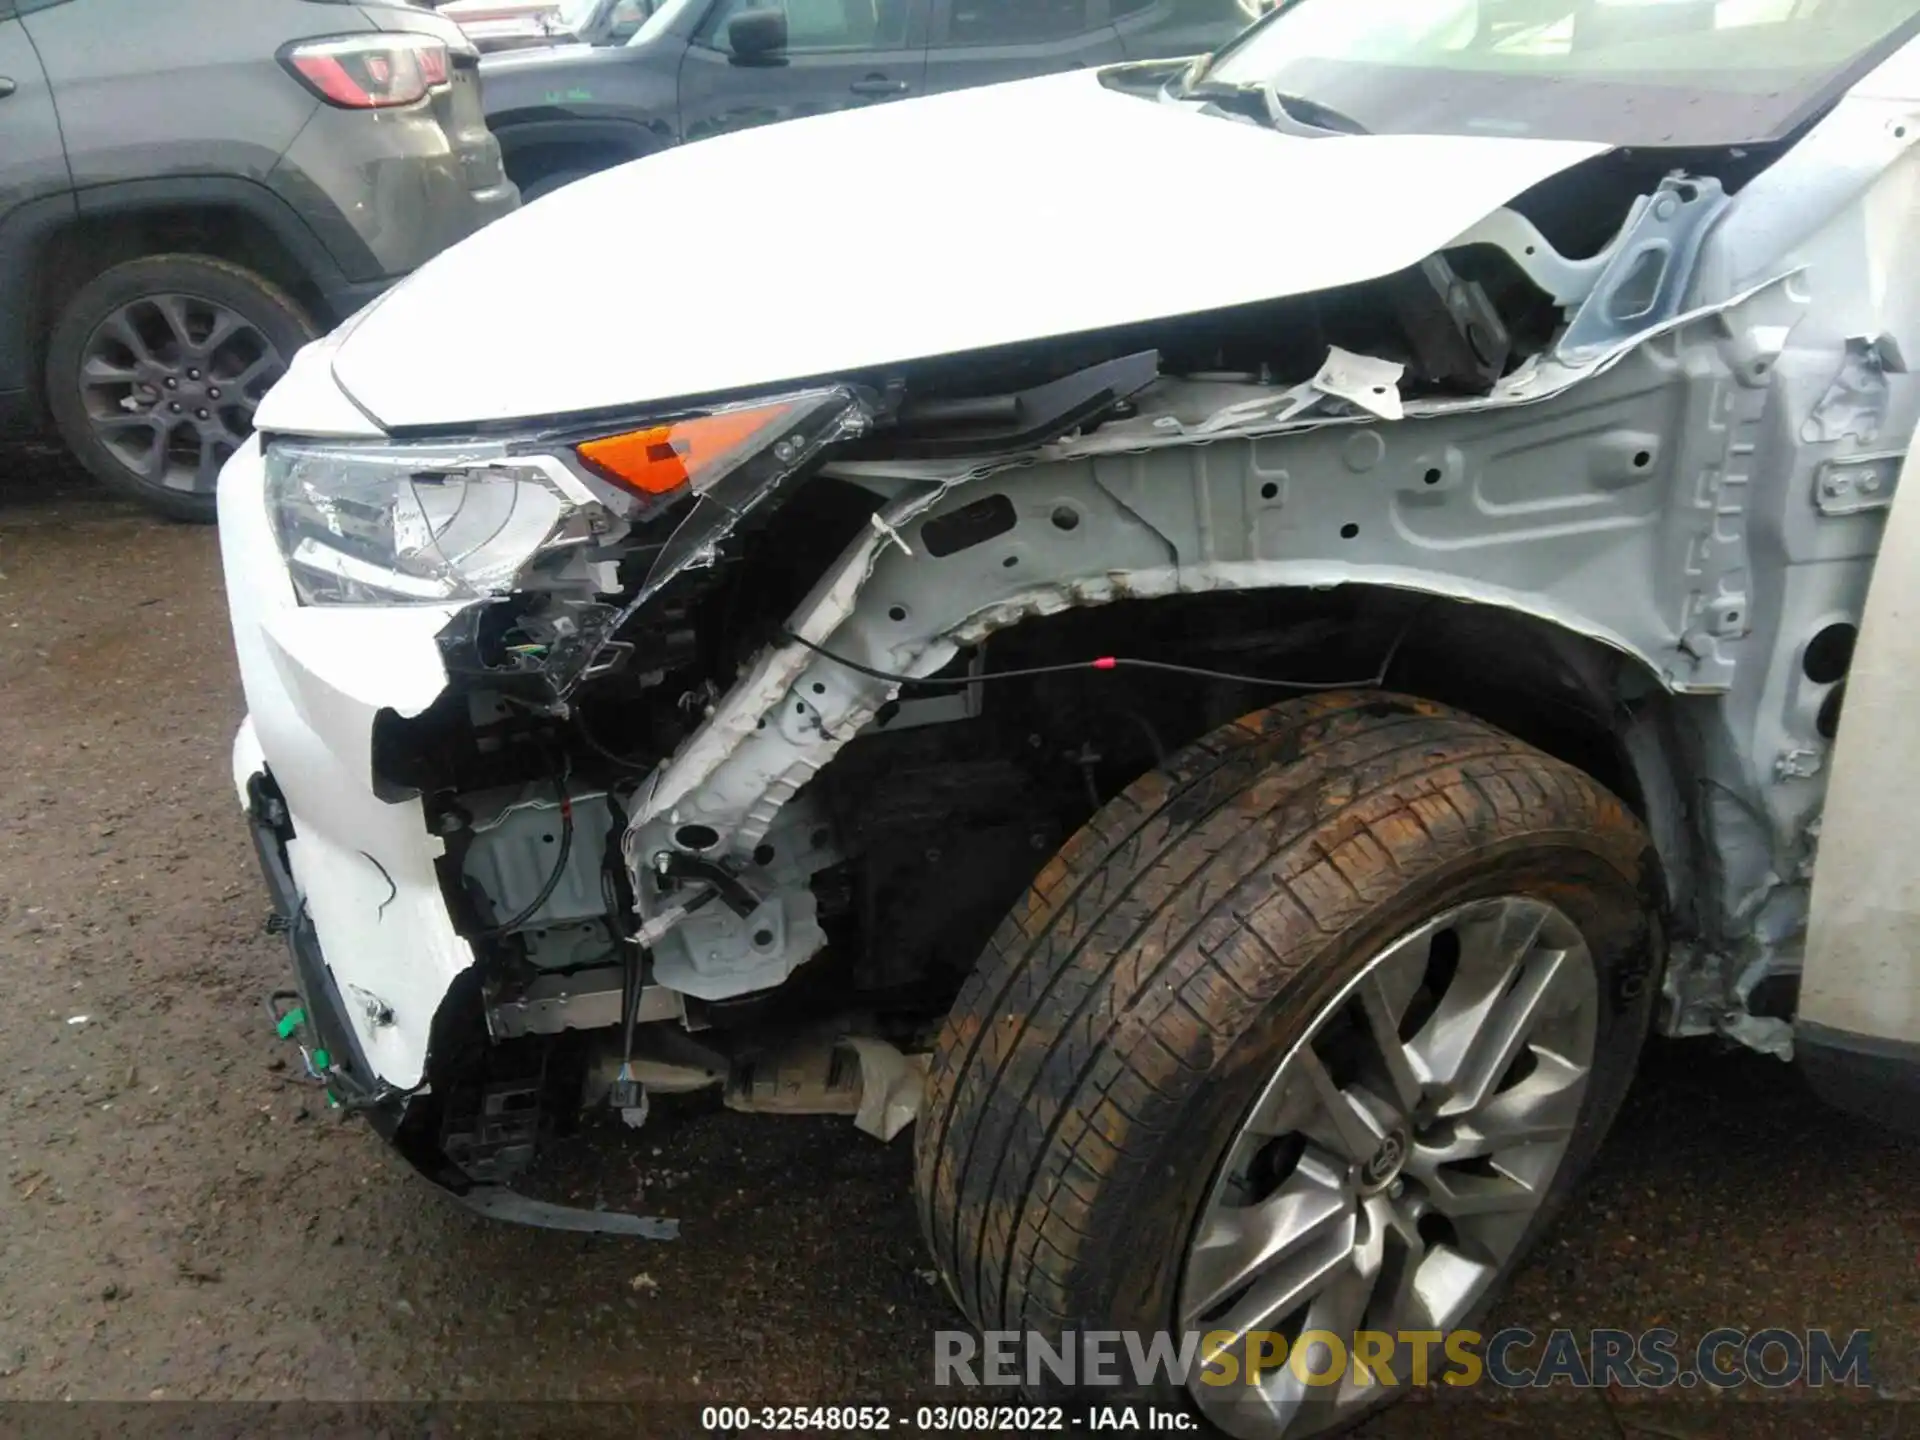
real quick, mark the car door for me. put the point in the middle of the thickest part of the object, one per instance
(840, 53)
(33, 170)
(1161, 29)
(33, 162)
(977, 42)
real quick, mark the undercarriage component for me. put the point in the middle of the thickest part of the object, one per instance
(892, 1087)
(665, 1060)
(858, 1075)
(491, 1131)
(812, 1075)
(575, 1000)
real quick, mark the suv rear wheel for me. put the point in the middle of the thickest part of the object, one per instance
(154, 370)
(1307, 1033)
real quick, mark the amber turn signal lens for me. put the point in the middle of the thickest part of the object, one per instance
(663, 458)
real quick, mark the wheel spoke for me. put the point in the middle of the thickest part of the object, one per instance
(206, 475)
(1282, 1243)
(226, 325)
(1340, 1311)
(98, 370)
(119, 325)
(1492, 949)
(130, 420)
(1349, 1127)
(173, 309)
(1281, 1290)
(1398, 1302)
(149, 460)
(1504, 1028)
(1542, 1108)
(1463, 1196)
(1383, 1026)
(235, 436)
(266, 364)
(1332, 1285)
(1434, 1288)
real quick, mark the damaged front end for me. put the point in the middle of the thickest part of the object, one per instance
(704, 744)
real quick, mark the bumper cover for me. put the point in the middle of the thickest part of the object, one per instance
(352, 877)
(1875, 1079)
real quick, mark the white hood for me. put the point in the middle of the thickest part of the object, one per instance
(921, 228)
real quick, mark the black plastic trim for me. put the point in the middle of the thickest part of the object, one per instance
(30, 230)
(1868, 1076)
(327, 271)
(536, 131)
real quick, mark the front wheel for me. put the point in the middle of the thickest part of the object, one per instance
(1311, 1030)
(154, 370)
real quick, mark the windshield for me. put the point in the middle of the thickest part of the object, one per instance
(1627, 72)
(574, 14)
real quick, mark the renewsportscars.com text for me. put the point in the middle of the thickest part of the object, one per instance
(1514, 1358)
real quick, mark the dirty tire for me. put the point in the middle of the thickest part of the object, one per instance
(271, 312)
(1129, 1010)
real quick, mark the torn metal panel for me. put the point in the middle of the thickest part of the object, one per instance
(1545, 507)
(1371, 385)
(1208, 409)
(1855, 405)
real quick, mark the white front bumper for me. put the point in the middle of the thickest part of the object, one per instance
(315, 678)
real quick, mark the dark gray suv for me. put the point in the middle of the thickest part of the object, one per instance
(189, 190)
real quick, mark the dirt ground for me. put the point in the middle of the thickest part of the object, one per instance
(180, 1219)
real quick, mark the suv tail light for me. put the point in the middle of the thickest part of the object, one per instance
(370, 72)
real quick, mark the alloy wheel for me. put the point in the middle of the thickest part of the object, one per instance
(170, 383)
(1393, 1164)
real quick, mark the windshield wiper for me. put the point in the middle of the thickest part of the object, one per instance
(1311, 112)
(1258, 101)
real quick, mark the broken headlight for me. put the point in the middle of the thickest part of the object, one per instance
(396, 524)
(419, 525)
(733, 459)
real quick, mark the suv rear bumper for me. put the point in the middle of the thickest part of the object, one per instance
(385, 199)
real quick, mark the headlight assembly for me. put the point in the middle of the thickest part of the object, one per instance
(450, 523)
(366, 524)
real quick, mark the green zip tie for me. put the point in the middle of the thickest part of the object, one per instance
(291, 1021)
(322, 1060)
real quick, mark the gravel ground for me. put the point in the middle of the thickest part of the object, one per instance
(180, 1220)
